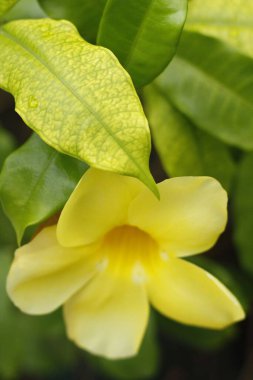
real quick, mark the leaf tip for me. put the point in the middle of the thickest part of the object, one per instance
(149, 181)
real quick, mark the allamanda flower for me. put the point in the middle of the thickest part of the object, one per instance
(115, 249)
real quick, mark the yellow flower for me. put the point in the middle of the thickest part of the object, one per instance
(115, 249)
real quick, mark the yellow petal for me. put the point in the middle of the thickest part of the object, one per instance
(44, 274)
(108, 317)
(99, 203)
(188, 294)
(188, 219)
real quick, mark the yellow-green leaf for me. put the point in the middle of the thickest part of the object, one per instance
(5, 5)
(231, 21)
(75, 95)
(182, 147)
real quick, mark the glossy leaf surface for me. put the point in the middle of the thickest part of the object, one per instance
(143, 34)
(85, 14)
(243, 210)
(76, 96)
(231, 21)
(201, 83)
(35, 183)
(183, 148)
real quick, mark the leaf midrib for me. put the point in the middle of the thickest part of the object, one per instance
(135, 41)
(45, 64)
(50, 159)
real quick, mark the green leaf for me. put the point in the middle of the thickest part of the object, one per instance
(5, 5)
(143, 34)
(35, 183)
(7, 234)
(76, 96)
(243, 210)
(231, 21)
(24, 9)
(212, 84)
(144, 365)
(85, 14)
(184, 149)
(7, 145)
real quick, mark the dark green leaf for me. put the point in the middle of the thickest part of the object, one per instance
(7, 144)
(35, 183)
(143, 34)
(213, 85)
(7, 235)
(243, 210)
(85, 14)
(184, 149)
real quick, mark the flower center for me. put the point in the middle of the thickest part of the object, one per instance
(127, 250)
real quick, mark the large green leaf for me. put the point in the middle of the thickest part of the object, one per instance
(184, 149)
(5, 5)
(143, 34)
(76, 96)
(213, 85)
(243, 210)
(35, 183)
(85, 14)
(230, 20)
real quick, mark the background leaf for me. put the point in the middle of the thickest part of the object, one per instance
(35, 183)
(231, 21)
(75, 95)
(85, 14)
(7, 235)
(24, 9)
(143, 34)
(243, 213)
(183, 148)
(7, 145)
(5, 5)
(212, 84)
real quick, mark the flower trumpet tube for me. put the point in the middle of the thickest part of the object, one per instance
(115, 250)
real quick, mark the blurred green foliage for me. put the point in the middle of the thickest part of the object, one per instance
(200, 111)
